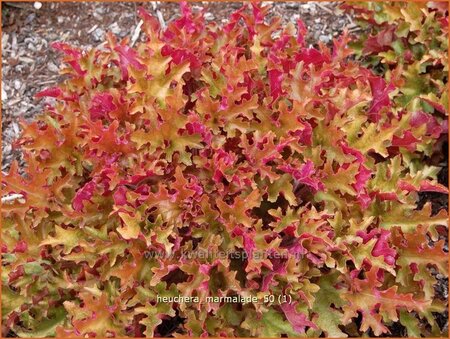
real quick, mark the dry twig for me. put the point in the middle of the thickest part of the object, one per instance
(159, 15)
(136, 33)
(324, 8)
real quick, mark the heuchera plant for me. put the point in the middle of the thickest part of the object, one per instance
(408, 43)
(233, 139)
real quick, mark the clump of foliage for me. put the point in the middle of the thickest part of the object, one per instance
(234, 139)
(407, 42)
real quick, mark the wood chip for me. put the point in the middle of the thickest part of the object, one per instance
(324, 8)
(92, 29)
(136, 33)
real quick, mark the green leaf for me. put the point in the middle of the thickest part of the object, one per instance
(411, 323)
(69, 238)
(274, 325)
(46, 327)
(11, 301)
(33, 267)
(154, 316)
(131, 227)
(282, 185)
(408, 220)
(329, 319)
